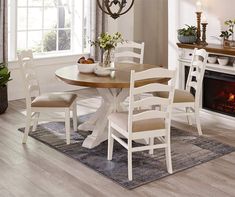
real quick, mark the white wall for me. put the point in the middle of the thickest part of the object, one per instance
(182, 12)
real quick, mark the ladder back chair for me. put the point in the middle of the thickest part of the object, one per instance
(144, 124)
(185, 98)
(37, 103)
(130, 52)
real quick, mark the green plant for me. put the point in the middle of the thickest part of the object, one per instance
(189, 31)
(106, 41)
(4, 74)
(230, 30)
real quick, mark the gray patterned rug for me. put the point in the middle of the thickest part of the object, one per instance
(188, 150)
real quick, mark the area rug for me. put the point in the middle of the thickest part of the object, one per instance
(188, 150)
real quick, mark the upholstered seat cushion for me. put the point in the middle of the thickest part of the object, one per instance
(121, 119)
(57, 99)
(181, 96)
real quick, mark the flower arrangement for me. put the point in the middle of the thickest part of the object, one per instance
(108, 43)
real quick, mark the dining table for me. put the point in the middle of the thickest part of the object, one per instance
(113, 89)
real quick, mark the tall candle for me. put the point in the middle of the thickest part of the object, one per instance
(199, 6)
(204, 20)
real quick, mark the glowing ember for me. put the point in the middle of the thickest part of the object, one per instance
(231, 97)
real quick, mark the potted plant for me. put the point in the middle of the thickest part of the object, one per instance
(228, 35)
(4, 78)
(108, 43)
(187, 35)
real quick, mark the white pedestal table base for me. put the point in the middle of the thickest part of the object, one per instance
(111, 100)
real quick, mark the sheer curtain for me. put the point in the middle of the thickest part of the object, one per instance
(3, 31)
(98, 25)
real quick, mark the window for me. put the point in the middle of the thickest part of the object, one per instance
(49, 27)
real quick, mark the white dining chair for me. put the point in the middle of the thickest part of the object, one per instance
(184, 99)
(130, 52)
(144, 124)
(37, 103)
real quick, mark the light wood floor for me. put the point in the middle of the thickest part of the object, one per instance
(35, 170)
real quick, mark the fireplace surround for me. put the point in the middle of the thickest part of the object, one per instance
(218, 91)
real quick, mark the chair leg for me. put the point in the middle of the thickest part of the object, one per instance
(151, 143)
(110, 143)
(168, 156)
(67, 125)
(35, 123)
(75, 119)
(129, 160)
(27, 128)
(198, 123)
(188, 110)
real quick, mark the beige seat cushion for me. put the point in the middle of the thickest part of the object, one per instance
(57, 99)
(121, 119)
(181, 96)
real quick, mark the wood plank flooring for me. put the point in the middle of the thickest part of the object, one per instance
(35, 170)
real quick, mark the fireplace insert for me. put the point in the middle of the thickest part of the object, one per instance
(219, 93)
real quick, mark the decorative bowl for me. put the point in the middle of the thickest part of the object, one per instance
(101, 71)
(223, 61)
(87, 68)
(187, 39)
(212, 59)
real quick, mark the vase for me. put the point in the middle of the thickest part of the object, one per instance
(108, 57)
(3, 99)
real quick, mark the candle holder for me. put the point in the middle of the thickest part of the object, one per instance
(204, 34)
(199, 15)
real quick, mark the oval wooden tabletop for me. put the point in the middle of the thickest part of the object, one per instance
(120, 78)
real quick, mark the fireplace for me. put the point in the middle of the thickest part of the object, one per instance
(219, 93)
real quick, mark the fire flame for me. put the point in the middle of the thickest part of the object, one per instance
(231, 97)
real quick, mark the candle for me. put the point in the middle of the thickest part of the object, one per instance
(199, 6)
(204, 19)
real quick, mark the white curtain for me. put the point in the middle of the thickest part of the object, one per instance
(3, 31)
(98, 25)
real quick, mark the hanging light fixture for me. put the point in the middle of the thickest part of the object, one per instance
(115, 8)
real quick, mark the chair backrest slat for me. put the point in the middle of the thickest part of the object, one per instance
(150, 114)
(193, 85)
(127, 54)
(154, 73)
(165, 111)
(129, 51)
(150, 101)
(33, 88)
(153, 87)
